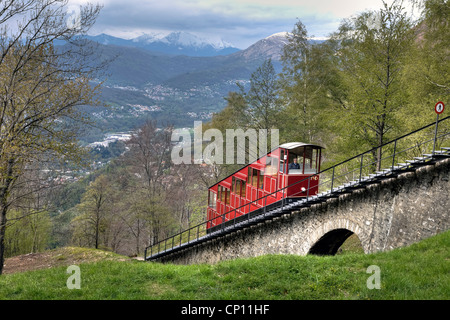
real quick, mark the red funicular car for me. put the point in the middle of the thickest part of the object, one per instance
(264, 182)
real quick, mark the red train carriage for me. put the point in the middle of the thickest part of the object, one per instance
(263, 183)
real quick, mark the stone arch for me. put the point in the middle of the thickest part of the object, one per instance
(328, 238)
(330, 242)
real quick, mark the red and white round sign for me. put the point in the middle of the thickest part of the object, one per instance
(439, 107)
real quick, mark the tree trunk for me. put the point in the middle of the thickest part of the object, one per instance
(138, 236)
(2, 236)
(4, 191)
(97, 232)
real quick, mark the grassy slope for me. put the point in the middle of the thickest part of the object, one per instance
(421, 271)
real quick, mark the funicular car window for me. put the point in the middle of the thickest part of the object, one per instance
(282, 167)
(240, 187)
(255, 177)
(311, 159)
(261, 179)
(227, 196)
(243, 187)
(271, 166)
(212, 200)
(222, 193)
(293, 156)
(291, 168)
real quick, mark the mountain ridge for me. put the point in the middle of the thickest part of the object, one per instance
(138, 67)
(175, 43)
(170, 88)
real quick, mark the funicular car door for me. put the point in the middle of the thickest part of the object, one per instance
(235, 197)
(270, 178)
(258, 183)
(282, 168)
(220, 204)
(252, 187)
(261, 193)
(227, 200)
(243, 207)
(211, 212)
(248, 191)
(241, 190)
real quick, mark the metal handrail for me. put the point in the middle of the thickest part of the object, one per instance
(333, 178)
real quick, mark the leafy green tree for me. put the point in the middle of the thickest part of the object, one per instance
(262, 105)
(257, 109)
(94, 209)
(296, 82)
(435, 47)
(27, 233)
(156, 213)
(429, 64)
(39, 87)
(232, 116)
(374, 48)
(306, 77)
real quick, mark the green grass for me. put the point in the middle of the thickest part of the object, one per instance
(420, 271)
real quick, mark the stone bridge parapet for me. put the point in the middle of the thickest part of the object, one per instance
(392, 213)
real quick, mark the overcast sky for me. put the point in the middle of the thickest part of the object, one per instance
(240, 22)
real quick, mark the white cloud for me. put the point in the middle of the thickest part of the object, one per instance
(241, 22)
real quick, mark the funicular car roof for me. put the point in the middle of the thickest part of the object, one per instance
(294, 145)
(288, 145)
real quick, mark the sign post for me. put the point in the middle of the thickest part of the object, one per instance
(438, 108)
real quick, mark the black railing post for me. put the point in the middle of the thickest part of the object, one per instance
(361, 168)
(265, 205)
(189, 235)
(307, 192)
(223, 221)
(435, 134)
(393, 156)
(332, 180)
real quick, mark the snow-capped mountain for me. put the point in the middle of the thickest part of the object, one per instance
(106, 39)
(148, 38)
(269, 47)
(186, 39)
(178, 43)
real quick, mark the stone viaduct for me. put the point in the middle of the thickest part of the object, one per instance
(393, 213)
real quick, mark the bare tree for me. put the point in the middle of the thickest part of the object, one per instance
(149, 160)
(40, 86)
(150, 153)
